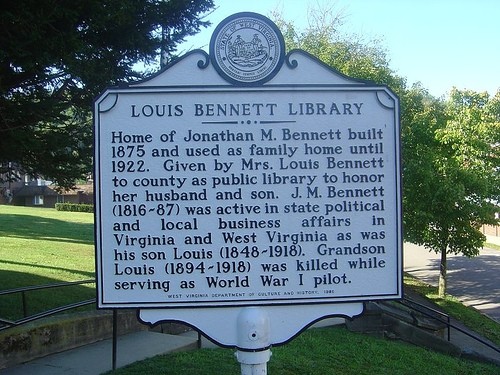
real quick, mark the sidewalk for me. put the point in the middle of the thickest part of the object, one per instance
(96, 358)
(474, 281)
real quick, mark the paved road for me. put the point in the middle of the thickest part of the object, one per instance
(474, 281)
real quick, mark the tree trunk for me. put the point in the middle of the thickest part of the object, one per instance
(442, 274)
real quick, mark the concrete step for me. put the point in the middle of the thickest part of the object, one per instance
(96, 358)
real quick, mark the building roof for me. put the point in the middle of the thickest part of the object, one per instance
(32, 190)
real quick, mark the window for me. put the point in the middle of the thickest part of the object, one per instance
(38, 200)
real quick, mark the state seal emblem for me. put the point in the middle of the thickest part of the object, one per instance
(247, 49)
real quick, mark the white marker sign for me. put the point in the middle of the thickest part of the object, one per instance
(232, 180)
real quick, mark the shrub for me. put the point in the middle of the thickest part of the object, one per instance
(75, 207)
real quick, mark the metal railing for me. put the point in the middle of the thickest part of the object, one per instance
(444, 319)
(428, 312)
(7, 323)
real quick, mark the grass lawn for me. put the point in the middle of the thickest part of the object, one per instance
(492, 246)
(43, 246)
(318, 351)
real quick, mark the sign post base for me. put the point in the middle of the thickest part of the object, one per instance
(253, 332)
(252, 369)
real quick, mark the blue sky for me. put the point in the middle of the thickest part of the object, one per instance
(441, 43)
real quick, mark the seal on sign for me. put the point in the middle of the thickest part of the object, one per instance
(247, 49)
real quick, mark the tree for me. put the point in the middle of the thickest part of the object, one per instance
(452, 173)
(351, 55)
(57, 56)
(450, 149)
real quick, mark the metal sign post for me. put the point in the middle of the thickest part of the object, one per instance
(247, 192)
(253, 340)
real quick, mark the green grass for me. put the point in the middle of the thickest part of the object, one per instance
(319, 351)
(44, 246)
(490, 245)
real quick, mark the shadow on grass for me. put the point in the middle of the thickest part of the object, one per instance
(40, 228)
(36, 301)
(4, 278)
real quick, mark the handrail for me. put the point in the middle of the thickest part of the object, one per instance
(434, 311)
(45, 286)
(405, 301)
(44, 314)
(448, 322)
(6, 323)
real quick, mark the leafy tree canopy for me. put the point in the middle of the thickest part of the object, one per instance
(351, 55)
(451, 172)
(56, 56)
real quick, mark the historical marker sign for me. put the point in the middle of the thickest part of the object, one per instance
(249, 178)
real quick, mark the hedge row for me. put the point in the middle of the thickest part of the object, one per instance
(75, 207)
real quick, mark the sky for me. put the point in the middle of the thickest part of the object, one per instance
(440, 43)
